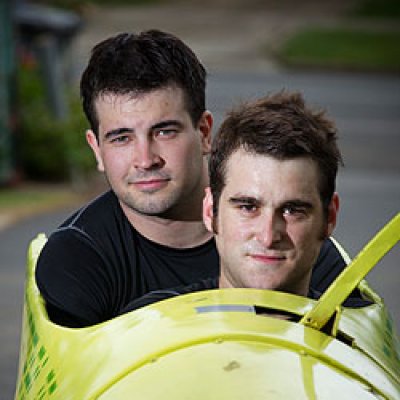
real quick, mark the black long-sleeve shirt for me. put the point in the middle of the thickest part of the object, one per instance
(95, 264)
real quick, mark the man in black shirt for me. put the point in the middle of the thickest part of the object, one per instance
(144, 97)
(272, 201)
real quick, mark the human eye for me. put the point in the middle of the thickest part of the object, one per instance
(119, 136)
(122, 139)
(165, 133)
(295, 210)
(246, 207)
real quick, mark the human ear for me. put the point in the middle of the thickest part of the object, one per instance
(208, 210)
(94, 145)
(205, 128)
(333, 210)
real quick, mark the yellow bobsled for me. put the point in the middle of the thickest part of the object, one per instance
(220, 344)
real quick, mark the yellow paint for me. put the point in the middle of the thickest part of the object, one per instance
(186, 348)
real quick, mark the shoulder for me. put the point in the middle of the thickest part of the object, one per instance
(85, 241)
(99, 221)
(98, 211)
(329, 265)
(331, 262)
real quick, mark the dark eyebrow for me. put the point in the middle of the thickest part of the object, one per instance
(298, 203)
(116, 132)
(159, 125)
(244, 199)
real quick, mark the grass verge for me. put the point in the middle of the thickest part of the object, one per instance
(378, 9)
(28, 199)
(33, 195)
(343, 49)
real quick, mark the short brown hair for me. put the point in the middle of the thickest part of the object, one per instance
(280, 126)
(131, 63)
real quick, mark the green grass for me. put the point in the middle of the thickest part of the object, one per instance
(13, 198)
(30, 198)
(26, 200)
(377, 9)
(343, 49)
(34, 196)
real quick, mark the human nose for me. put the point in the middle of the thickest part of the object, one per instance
(270, 229)
(146, 155)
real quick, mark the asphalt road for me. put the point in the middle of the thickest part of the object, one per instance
(367, 111)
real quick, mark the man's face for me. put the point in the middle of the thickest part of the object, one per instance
(270, 223)
(152, 155)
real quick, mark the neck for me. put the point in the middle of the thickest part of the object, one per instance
(168, 232)
(300, 289)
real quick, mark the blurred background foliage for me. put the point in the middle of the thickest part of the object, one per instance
(378, 9)
(350, 45)
(364, 8)
(79, 5)
(50, 149)
(343, 49)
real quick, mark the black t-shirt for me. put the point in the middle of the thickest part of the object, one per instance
(95, 264)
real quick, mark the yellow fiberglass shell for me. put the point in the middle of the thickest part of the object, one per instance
(218, 344)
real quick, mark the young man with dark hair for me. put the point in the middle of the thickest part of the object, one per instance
(144, 96)
(272, 200)
(271, 204)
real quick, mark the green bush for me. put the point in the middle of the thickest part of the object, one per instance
(50, 149)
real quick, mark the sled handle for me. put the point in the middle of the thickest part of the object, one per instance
(351, 276)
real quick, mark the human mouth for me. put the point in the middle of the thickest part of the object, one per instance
(267, 258)
(151, 184)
